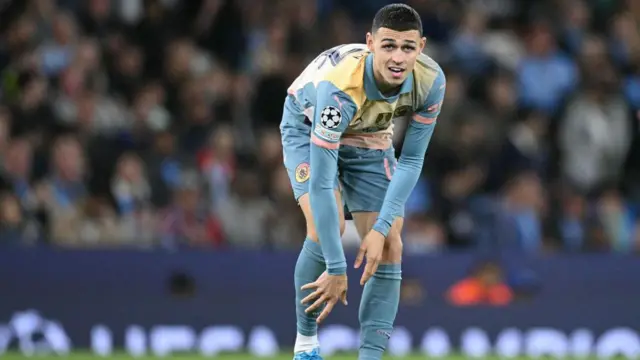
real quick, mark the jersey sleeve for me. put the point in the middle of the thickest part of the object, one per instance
(333, 111)
(429, 111)
(409, 166)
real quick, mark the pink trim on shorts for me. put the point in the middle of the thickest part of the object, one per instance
(387, 169)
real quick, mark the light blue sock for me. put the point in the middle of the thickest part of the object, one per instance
(378, 309)
(309, 267)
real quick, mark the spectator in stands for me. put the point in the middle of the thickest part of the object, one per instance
(484, 286)
(502, 106)
(92, 224)
(632, 86)
(467, 46)
(423, 234)
(64, 192)
(575, 27)
(5, 129)
(247, 203)
(573, 221)
(97, 18)
(163, 161)
(132, 194)
(518, 222)
(148, 115)
(15, 228)
(270, 150)
(545, 76)
(58, 52)
(625, 38)
(618, 222)
(188, 222)
(525, 148)
(217, 162)
(594, 118)
(16, 170)
(32, 114)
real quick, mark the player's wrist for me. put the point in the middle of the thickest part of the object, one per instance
(382, 227)
(338, 269)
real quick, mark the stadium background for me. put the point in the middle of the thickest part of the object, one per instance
(142, 183)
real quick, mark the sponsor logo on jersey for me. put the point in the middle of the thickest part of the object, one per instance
(302, 172)
(326, 134)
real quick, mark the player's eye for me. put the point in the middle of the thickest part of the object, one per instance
(408, 48)
(388, 46)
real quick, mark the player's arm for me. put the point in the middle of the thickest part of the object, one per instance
(325, 141)
(411, 159)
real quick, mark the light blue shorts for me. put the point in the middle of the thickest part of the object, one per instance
(363, 174)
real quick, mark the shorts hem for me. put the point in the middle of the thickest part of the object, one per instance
(297, 197)
(363, 211)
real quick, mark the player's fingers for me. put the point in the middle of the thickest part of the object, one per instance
(368, 272)
(308, 286)
(316, 304)
(311, 296)
(374, 265)
(365, 277)
(360, 256)
(343, 298)
(327, 310)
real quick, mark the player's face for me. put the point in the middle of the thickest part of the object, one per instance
(395, 54)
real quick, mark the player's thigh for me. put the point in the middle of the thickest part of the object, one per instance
(365, 175)
(296, 154)
(305, 205)
(392, 253)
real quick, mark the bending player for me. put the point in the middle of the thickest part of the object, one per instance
(337, 138)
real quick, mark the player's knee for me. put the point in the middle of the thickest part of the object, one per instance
(312, 234)
(393, 248)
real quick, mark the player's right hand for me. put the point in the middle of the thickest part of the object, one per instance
(329, 289)
(372, 246)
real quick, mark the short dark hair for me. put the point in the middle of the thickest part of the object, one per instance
(398, 17)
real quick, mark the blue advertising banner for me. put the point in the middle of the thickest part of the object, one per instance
(159, 303)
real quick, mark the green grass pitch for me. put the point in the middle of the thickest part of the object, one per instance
(87, 356)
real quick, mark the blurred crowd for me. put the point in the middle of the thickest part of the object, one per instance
(154, 123)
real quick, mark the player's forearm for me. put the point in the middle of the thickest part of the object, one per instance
(325, 214)
(404, 180)
(324, 168)
(406, 175)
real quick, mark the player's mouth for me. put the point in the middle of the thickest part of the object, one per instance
(396, 72)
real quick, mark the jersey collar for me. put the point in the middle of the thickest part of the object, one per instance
(371, 89)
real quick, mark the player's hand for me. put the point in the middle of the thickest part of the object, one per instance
(372, 246)
(329, 289)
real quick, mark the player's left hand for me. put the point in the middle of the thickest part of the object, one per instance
(372, 246)
(329, 289)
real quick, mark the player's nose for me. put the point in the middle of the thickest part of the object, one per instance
(398, 59)
(397, 62)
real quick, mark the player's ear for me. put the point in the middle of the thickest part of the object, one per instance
(370, 41)
(423, 43)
